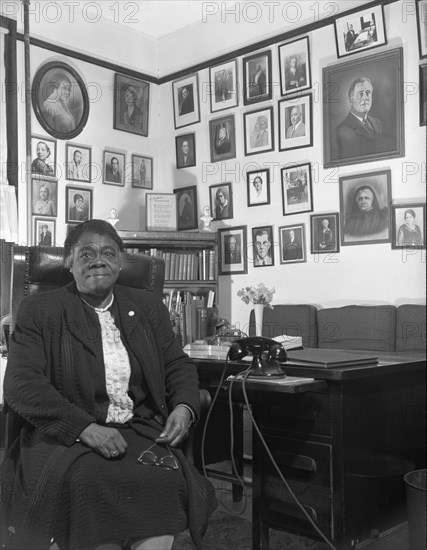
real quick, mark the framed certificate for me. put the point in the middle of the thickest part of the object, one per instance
(161, 212)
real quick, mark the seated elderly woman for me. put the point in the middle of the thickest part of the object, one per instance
(108, 395)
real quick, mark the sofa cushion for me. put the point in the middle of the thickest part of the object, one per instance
(357, 327)
(411, 328)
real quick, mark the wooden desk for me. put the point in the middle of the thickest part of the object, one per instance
(343, 445)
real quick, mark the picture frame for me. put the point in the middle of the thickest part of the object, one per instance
(186, 208)
(360, 31)
(294, 66)
(232, 247)
(185, 146)
(223, 86)
(142, 171)
(52, 81)
(423, 95)
(259, 131)
(222, 138)
(262, 246)
(295, 122)
(257, 78)
(131, 105)
(360, 194)
(258, 184)
(43, 153)
(221, 201)
(297, 189)
(409, 226)
(79, 162)
(44, 231)
(292, 244)
(421, 6)
(346, 140)
(78, 204)
(44, 196)
(186, 103)
(161, 211)
(114, 167)
(325, 233)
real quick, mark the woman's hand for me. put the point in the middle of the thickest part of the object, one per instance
(176, 428)
(108, 442)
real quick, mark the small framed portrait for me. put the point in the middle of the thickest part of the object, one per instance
(363, 116)
(44, 232)
(365, 201)
(259, 131)
(232, 247)
(222, 137)
(60, 100)
(114, 167)
(294, 64)
(223, 86)
(43, 153)
(131, 104)
(185, 147)
(44, 196)
(142, 172)
(295, 123)
(409, 226)
(422, 27)
(324, 231)
(186, 105)
(360, 31)
(292, 244)
(78, 204)
(258, 182)
(257, 78)
(186, 208)
(79, 162)
(262, 246)
(423, 95)
(297, 191)
(221, 201)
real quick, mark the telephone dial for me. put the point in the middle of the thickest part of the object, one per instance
(266, 353)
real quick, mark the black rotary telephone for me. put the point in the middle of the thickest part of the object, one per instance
(266, 353)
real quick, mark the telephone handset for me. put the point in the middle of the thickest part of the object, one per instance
(258, 346)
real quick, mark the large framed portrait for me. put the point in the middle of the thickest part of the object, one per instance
(422, 27)
(44, 196)
(60, 100)
(131, 104)
(142, 172)
(185, 147)
(294, 64)
(409, 226)
(258, 182)
(363, 103)
(292, 244)
(262, 246)
(325, 234)
(362, 30)
(223, 86)
(79, 162)
(221, 201)
(295, 123)
(257, 78)
(423, 95)
(297, 191)
(43, 153)
(186, 208)
(365, 201)
(78, 204)
(232, 249)
(259, 131)
(186, 104)
(44, 233)
(114, 167)
(222, 137)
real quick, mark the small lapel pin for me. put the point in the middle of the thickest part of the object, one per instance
(131, 313)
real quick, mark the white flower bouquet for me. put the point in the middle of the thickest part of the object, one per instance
(257, 295)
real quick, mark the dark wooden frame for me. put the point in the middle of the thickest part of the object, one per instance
(285, 106)
(191, 191)
(213, 189)
(87, 194)
(268, 113)
(298, 226)
(269, 228)
(214, 126)
(285, 195)
(191, 138)
(250, 177)
(136, 181)
(52, 144)
(315, 246)
(52, 185)
(121, 83)
(38, 222)
(193, 117)
(122, 166)
(305, 52)
(246, 61)
(416, 207)
(422, 27)
(423, 94)
(70, 149)
(223, 233)
(233, 101)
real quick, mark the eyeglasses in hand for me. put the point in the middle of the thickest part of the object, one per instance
(149, 458)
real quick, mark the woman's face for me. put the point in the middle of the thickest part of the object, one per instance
(409, 218)
(44, 193)
(365, 199)
(42, 152)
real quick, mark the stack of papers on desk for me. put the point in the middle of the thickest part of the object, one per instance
(289, 342)
(207, 351)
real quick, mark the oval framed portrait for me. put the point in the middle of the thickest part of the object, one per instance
(60, 100)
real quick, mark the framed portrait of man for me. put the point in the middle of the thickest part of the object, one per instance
(114, 167)
(232, 250)
(295, 123)
(363, 118)
(423, 94)
(131, 105)
(297, 189)
(221, 201)
(409, 226)
(186, 208)
(186, 105)
(258, 182)
(294, 65)
(79, 162)
(223, 86)
(324, 231)
(257, 78)
(259, 131)
(78, 204)
(292, 244)
(421, 6)
(43, 155)
(185, 146)
(222, 138)
(44, 232)
(262, 246)
(142, 172)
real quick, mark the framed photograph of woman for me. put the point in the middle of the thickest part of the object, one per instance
(257, 78)
(185, 147)
(221, 201)
(223, 86)
(295, 123)
(365, 201)
(408, 226)
(79, 162)
(361, 30)
(60, 100)
(114, 167)
(44, 196)
(131, 105)
(186, 208)
(78, 204)
(262, 246)
(258, 182)
(142, 172)
(324, 231)
(423, 95)
(44, 232)
(186, 105)
(222, 138)
(43, 153)
(232, 247)
(294, 66)
(259, 131)
(297, 191)
(422, 27)
(292, 244)
(363, 103)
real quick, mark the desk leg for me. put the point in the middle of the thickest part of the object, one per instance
(238, 448)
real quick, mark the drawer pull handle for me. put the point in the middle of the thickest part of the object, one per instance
(300, 462)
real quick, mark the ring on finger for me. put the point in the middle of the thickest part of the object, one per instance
(114, 453)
